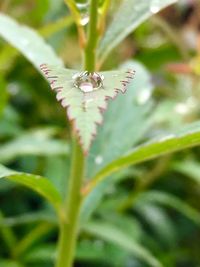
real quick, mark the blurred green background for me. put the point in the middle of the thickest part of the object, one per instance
(156, 203)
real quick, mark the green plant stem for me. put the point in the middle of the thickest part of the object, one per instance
(77, 17)
(103, 11)
(90, 50)
(69, 223)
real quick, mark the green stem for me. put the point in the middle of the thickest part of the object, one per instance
(90, 50)
(77, 17)
(69, 223)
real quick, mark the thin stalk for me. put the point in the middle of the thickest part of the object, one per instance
(103, 12)
(69, 223)
(77, 17)
(90, 50)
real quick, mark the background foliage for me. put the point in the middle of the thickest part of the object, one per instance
(146, 215)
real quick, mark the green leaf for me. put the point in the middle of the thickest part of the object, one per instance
(166, 199)
(131, 111)
(189, 167)
(3, 95)
(134, 108)
(188, 136)
(41, 253)
(91, 251)
(37, 183)
(130, 14)
(85, 108)
(158, 219)
(9, 263)
(28, 42)
(111, 234)
(36, 142)
(29, 218)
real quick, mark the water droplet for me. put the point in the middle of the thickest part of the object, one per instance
(13, 88)
(82, 6)
(144, 96)
(85, 19)
(167, 137)
(99, 160)
(181, 108)
(154, 7)
(88, 81)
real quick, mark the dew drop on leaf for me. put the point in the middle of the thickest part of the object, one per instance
(88, 81)
(154, 8)
(99, 160)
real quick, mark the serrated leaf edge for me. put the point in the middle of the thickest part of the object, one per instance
(129, 75)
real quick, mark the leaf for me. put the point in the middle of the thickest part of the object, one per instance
(92, 251)
(162, 198)
(132, 109)
(3, 95)
(37, 183)
(189, 167)
(113, 235)
(41, 253)
(158, 219)
(29, 218)
(84, 108)
(28, 42)
(188, 136)
(130, 14)
(9, 263)
(36, 142)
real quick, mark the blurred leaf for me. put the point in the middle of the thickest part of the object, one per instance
(7, 234)
(188, 136)
(111, 234)
(29, 218)
(37, 142)
(32, 237)
(3, 95)
(125, 223)
(189, 167)
(10, 123)
(56, 26)
(37, 183)
(166, 199)
(130, 14)
(99, 251)
(28, 42)
(57, 168)
(85, 108)
(157, 218)
(132, 109)
(9, 263)
(43, 253)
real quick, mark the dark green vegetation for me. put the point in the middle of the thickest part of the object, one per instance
(140, 202)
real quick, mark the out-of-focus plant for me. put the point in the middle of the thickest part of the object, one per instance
(121, 142)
